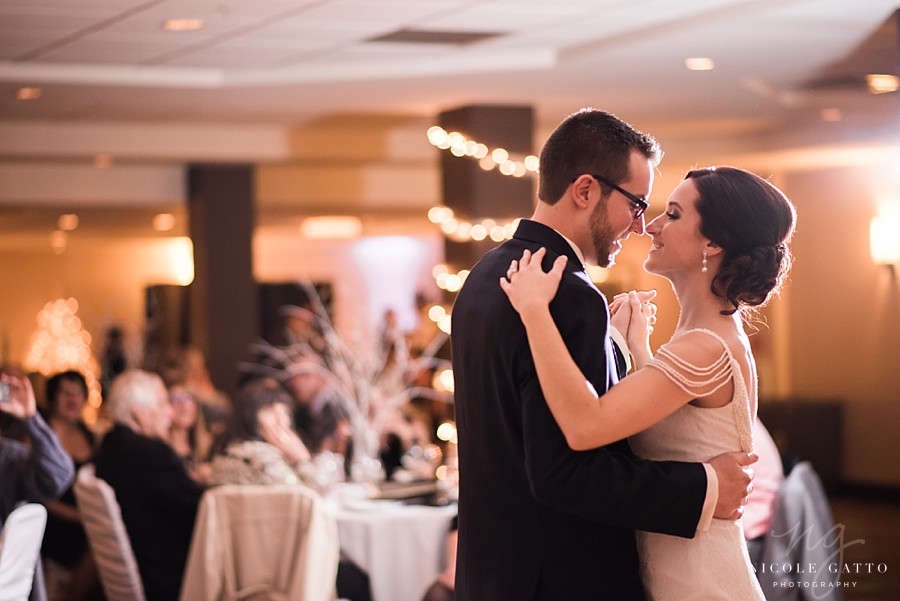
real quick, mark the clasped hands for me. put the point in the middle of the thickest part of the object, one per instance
(631, 313)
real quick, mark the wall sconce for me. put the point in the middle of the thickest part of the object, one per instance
(884, 239)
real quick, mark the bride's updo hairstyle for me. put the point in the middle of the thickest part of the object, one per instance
(752, 221)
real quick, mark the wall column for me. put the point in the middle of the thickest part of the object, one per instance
(475, 194)
(224, 304)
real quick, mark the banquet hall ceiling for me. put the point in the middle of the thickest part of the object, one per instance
(294, 61)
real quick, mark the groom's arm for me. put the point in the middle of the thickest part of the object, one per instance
(623, 366)
(609, 484)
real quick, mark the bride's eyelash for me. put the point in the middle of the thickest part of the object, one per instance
(671, 215)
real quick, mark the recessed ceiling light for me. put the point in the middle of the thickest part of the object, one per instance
(831, 115)
(164, 222)
(103, 161)
(699, 63)
(183, 24)
(28, 93)
(67, 222)
(879, 83)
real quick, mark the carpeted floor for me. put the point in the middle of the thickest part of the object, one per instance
(870, 530)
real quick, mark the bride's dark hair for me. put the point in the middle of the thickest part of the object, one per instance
(752, 221)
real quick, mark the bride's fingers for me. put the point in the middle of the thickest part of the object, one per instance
(526, 259)
(558, 266)
(513, 267)
(537, 256)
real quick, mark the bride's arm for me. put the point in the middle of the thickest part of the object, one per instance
(586, 420)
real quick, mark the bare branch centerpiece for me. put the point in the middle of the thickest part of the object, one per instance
(368, 385)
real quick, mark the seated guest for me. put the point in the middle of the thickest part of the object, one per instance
(261, 447)
(188, 434)
(158, 498)
(69, 566)
(318, 417)
(35, 473)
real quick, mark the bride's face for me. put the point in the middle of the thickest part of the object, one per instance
(677, 243)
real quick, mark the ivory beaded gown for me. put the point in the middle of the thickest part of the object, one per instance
(714, 565)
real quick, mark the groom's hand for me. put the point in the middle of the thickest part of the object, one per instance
(735, 483)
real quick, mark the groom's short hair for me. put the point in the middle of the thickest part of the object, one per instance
(594, 142)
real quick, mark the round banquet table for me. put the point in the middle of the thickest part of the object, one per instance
(401, 547)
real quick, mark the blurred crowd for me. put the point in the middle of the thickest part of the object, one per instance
(167, 432)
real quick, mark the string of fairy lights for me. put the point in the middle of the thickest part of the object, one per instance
(488, 159)
(462, 230)
(458, 229)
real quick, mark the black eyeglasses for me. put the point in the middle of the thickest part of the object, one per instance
(641, 204)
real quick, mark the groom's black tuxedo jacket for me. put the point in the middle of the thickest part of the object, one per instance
(538, 520)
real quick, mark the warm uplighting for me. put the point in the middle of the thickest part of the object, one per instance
(884, 237)
(331, 227)
(183, 24)
(67, 222)
(182, 259)
(460, 230)
(164, 222)
(699, 63)
(28, 93)
(880, 83)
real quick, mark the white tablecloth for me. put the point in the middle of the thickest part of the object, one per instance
(402, 547)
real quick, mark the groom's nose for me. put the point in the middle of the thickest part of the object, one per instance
(638, 226)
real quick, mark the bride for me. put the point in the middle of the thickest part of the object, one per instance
(722, 244)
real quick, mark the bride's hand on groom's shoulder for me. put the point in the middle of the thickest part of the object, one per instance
(526, 284)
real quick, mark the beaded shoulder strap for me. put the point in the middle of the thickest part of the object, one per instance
(696, 380)
(700, 381)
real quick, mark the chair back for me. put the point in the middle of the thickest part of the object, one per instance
(802, 533)
(268, 542)
(108, 538)
(20, 545)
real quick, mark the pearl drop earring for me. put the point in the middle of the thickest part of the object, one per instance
(703, 269)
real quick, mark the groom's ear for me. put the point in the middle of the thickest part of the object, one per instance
(581, 191)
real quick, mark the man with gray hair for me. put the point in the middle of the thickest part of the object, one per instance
(158, 498)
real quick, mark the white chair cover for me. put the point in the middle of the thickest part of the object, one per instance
(20, 544)
(262, 542)
(108, 538)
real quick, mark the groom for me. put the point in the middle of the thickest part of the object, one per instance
(537, 520)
